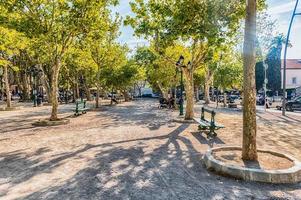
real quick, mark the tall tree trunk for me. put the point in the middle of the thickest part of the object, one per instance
(225, 99)
(249, 149)
(54, 90)
(87, 91)
(25, 87)
(189, 89)
(126, 95)
(197, 96)
(7, 89)
(97, 96)
(163, 91)
(175, 98)
(47, 84)
(49, 94)
(213, 97)
(77, 95)
(206, 92)
(208, 82)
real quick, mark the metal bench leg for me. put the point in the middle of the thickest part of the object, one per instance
(212, 133)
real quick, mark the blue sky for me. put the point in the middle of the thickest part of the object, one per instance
(279, 10)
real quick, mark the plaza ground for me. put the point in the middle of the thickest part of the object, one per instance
(131, 151)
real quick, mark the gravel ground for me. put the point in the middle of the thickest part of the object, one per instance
(131, 151)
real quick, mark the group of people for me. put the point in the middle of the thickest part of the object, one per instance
(167, 102)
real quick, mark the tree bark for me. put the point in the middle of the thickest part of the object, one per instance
(126, 95)
(54, 90)
(25, 87)
(249, 149)
(47, 84)
(189, 89)
(97, 96)
(197, 96)
(206, 92)
(175, 97)
(7, 89)
(225, 99)
(163, 91)
(87, 91)
(77, 95)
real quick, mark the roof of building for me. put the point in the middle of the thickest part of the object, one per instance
(293, 64)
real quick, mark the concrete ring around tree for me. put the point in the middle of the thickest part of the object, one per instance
(10, 109)
(181, 119)
(47, 122)
(290, 175)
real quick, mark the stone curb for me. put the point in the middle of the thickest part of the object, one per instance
(183, 121)
(44, 123)
(10, 109)
(291, 175)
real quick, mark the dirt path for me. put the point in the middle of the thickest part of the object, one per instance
(129, 151)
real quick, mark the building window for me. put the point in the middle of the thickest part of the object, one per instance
(294, 80)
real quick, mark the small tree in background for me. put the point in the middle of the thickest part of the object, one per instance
(273, 60)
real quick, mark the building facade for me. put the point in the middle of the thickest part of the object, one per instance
(293, 73)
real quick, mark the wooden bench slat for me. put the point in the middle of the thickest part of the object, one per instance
(209, 110)
(201, 122)
(219, 125)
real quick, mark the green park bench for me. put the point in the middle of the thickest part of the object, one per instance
(206, 125)
(80, 107)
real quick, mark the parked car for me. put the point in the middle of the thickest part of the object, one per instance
(294, 104)
(220, 98)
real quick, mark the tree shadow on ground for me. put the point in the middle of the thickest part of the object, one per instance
(208, 141)
(170, 169)
(144, 114)
(283, 133)
(19, 122)
(159, 167)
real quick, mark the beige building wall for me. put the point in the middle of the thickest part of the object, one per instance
(293, 78)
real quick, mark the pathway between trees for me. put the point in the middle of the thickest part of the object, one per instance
(130, 151)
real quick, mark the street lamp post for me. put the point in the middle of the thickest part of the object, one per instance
(265, 84)
(181, 98)
(180, 66)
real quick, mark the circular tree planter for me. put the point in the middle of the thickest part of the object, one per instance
(47, 122)
(9, 109)
(222, 160)
(182, 120)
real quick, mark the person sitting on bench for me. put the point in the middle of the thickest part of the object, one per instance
(163, 103)
(171, 102)
(114, 100)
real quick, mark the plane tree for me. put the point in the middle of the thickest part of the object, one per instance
(55, 25)
(11, 44)
(199, 24)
